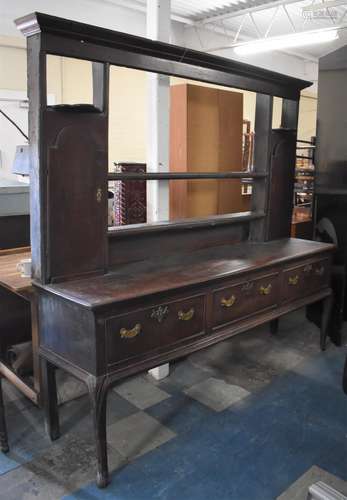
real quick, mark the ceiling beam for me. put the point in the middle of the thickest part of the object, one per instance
(237, 11)
(324, 5)
(134, 5)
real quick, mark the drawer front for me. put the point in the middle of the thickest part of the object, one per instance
(320, 274)
(243, 299)
(303, 280)
(142, 331)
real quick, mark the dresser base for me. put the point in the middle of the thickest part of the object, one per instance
(98, 386)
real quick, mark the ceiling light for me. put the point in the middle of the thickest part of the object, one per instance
(286, 41)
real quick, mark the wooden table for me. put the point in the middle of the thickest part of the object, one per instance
(18, 320)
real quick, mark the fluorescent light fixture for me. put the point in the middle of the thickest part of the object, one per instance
(286, 42)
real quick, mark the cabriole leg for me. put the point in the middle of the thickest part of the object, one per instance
(3, 428)
(327, 306)
(98, 398)
(49, 399)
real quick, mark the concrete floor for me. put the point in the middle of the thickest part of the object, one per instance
(255, 417)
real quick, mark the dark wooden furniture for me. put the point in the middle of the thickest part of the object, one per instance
(330, 197)
(14, 231)
(18, 318)
(114, 303)
(148, 313)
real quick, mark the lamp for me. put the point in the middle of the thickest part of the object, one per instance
(286, 41)
(21, 160)
(21, 164)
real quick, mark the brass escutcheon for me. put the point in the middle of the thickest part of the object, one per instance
(247, 287)
(186, 316)
(160, 313)
(228, 302)
(129, 334)
(99, 195)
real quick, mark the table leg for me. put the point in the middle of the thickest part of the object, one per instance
(274, 326)
(35, 346)
(327, 306)
(49, 399)
(3, 429)
(98, 397)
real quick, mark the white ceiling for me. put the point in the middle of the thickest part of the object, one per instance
(226, 17)
(197, 10)
(194, 17)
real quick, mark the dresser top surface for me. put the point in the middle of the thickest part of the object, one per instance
(174, 272)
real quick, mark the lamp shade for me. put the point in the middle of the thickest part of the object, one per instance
(21, 164)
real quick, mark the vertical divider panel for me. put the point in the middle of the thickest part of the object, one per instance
(290, 114)
(283, 158)
(69, 167)
(262, 153)
(36, 60)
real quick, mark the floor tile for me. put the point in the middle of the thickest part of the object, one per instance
(299, 489)
(216, 394)
(26, 434)
(68, 387)
(7, 463)
(136, 435)
(75, 416)
(69, 463)
(183, 374)
(179, 413)
(141, 392)
(14, 400)
(25, 483)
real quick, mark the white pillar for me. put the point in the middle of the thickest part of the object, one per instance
(158, 117)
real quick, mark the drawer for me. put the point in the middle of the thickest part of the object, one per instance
(320, 275)
(300, 281)
(149, 329)
(243, 299)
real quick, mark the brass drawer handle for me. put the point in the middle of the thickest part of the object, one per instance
(228, 302)
(129, 334)
(265, 290)
(320, 271)
(293, 280)
(186, 316)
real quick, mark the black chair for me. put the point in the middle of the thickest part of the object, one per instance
(3, 430)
